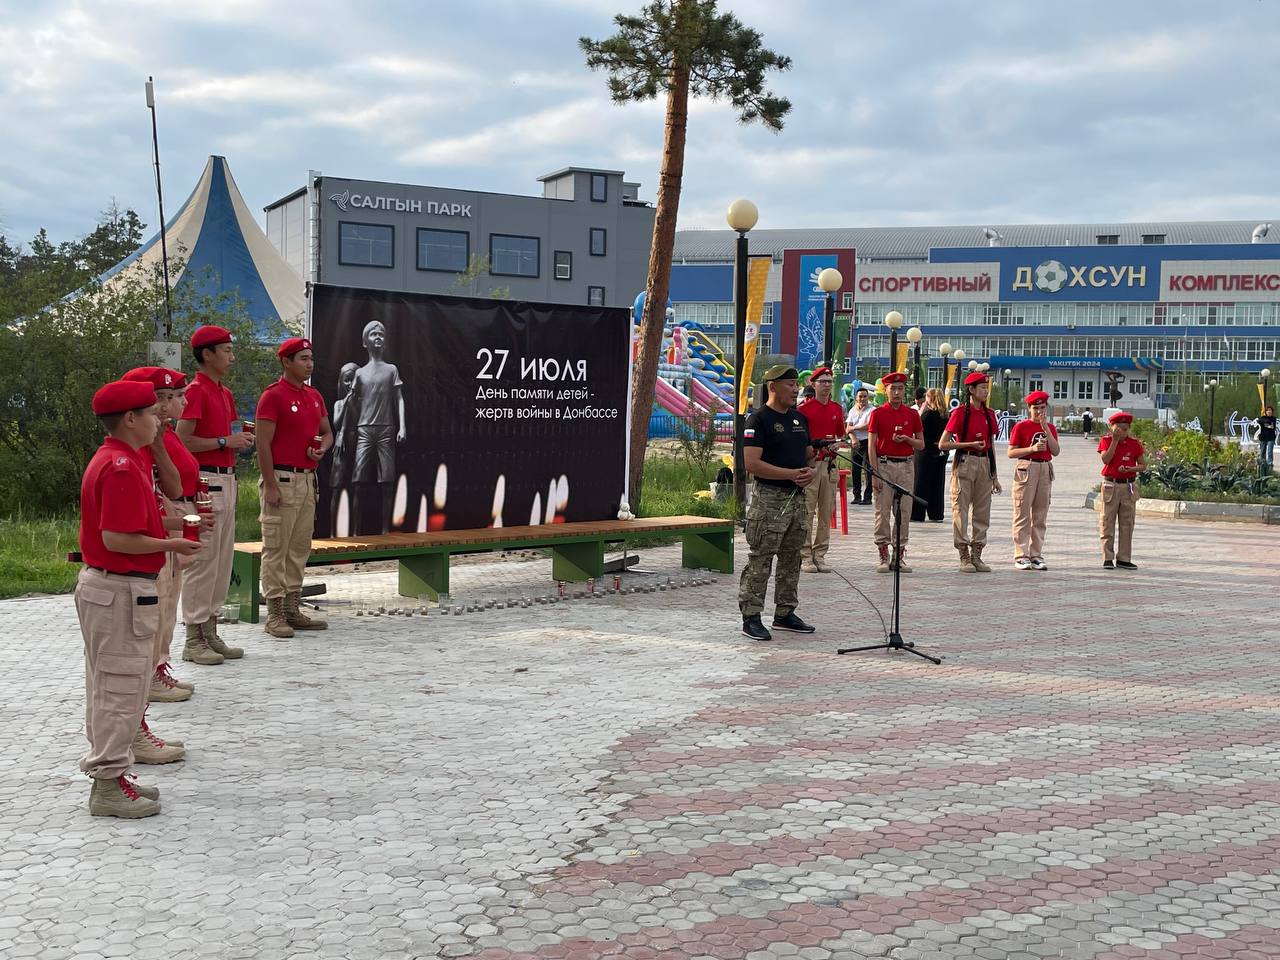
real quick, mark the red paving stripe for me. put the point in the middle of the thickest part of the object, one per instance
(810, 925)
(724, 859)
(924, 733)
(773, 795)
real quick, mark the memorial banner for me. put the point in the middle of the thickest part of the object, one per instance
(458, 413)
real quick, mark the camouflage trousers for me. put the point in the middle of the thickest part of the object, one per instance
(776, 521)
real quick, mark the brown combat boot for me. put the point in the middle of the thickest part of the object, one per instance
(276, 624)
(966, 561)
(975, 557)
(163, 689)
(119, 797)
(884, 558)
(167, 670)
(900, 561)
(197, 649)
(216, 643)
(296, 618)
(148, 748)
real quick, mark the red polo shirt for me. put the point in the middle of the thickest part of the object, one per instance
(1124, 465)
(184, 460)
(982, 427)
(886, 421)
(212, 407)
(296, 412)
(826, 422)
(1024, 434)
(117, 494)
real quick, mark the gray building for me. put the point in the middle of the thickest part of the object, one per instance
(584, 241)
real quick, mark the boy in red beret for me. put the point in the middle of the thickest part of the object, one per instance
(1123, 458)
(894, 434)
(826, 422)
(123, 542)
(971, 433)
(291, 416)
(1033, 442)
(205, 429)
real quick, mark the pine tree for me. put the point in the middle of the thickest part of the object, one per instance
(681, 48)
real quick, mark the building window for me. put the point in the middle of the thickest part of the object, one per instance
(846, 300)
(599, 188)
(1138, 387)
(448, 250)
(1153, 238)
(1034, 385)
(764, 343)
(366, 244)
(1084, 390)
(595, 296)
(513, 256)
(1059, 389)
(598, 244)
(564, 265)
(1105, 239)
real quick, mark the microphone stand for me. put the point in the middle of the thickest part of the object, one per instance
(895, 641)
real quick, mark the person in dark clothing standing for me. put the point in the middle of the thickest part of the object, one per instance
(1266, 427)
(931, 463)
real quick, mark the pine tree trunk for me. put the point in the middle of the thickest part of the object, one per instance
(643, 383)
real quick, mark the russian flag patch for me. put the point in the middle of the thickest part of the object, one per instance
(748, 434)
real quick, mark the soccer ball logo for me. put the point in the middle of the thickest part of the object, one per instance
(1051, 276)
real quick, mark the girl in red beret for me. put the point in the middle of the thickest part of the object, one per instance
(1033, 442)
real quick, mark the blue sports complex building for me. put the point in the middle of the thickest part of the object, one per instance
(1155, 308)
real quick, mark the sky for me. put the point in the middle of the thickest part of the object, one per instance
(905, 112)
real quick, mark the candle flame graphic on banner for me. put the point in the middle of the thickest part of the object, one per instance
(757, 278)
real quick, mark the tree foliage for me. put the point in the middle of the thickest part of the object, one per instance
(724, 58)
(62, 336)
(680, 48)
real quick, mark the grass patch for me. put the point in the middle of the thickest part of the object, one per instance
(670, 486)
(33, 554)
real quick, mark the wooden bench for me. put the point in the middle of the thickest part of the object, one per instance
(577, 552)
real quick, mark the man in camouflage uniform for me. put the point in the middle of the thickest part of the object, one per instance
(778, 454)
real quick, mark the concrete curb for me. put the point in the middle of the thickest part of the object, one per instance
(1196, 510)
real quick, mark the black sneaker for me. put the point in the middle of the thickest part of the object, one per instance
(1126, 565)
(753, 628)
(793, 623)
(1108, 565)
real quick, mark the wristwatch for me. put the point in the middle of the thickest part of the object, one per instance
(222, 443)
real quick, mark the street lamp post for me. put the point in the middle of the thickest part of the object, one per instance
(914, 336)
(944, 351)
(1212, 387)
(829, 281)
(893, 320)
(959, 357)
(742, 216)
(1005, 374)
(1265, 376)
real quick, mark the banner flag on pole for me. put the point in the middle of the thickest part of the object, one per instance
(757, 278)
(951, 373)
(1262, 399)
(900, 361)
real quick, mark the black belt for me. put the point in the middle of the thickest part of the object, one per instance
(211, 489)
(1115, 480)
(206, 469)
(281, 466)
(186, 499)
(896, 459)
(131, 573)
(1033, 460)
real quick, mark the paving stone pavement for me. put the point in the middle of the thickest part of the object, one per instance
(1093, 772)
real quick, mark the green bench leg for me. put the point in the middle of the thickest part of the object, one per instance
(424, 573)
(712, 551)
(577, 561)
(246, 585)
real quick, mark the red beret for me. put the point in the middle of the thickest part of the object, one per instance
(819, 372)
(210, 336)
(123, 395)
(1037, 396)
(293, 345)
(162, 378)
(1121, 417)
(895, 377)
(976, 377)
